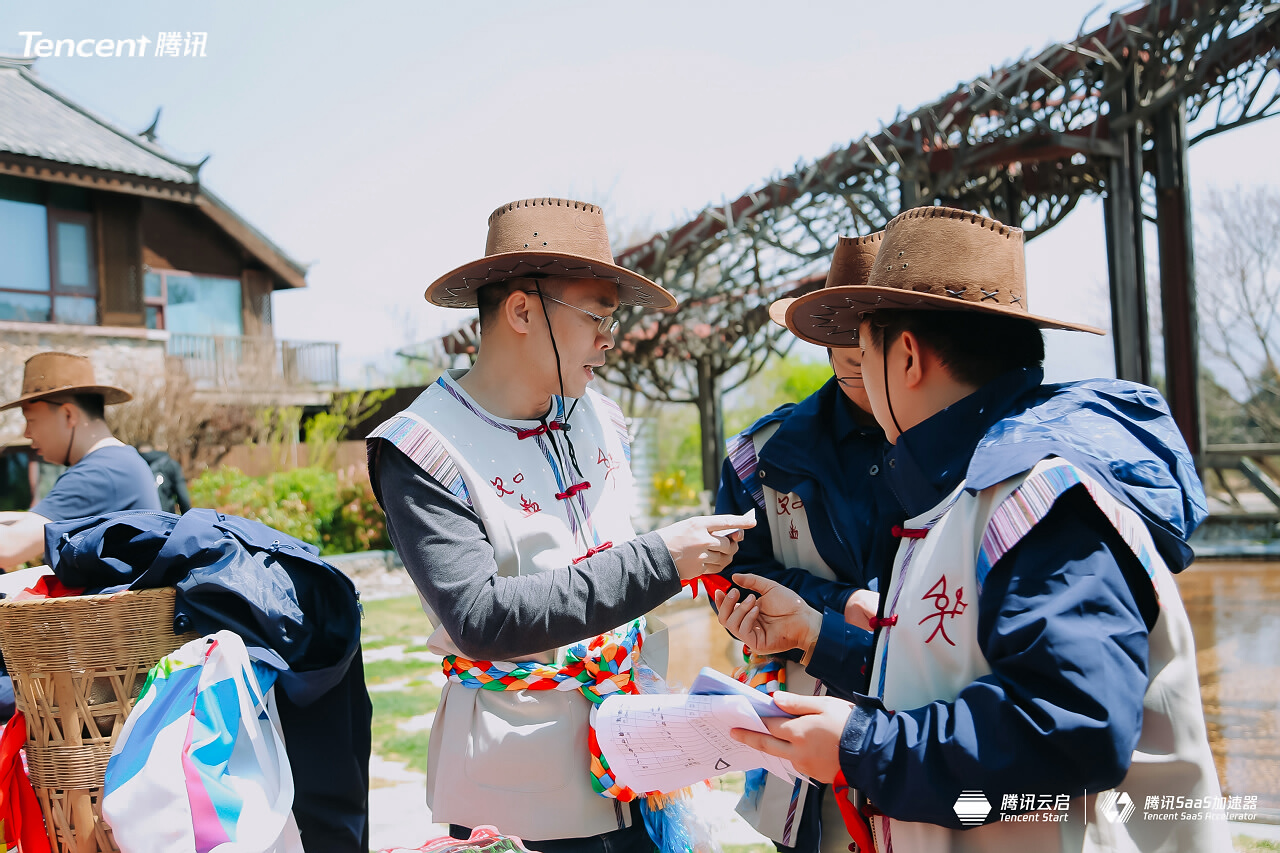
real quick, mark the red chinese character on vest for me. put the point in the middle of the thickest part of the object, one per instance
(529, 507)
(946, 609)
(503, 491)
(793, 533)
(606, 459)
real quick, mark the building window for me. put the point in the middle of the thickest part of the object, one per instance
(153, 299)
(187, 304)
(24, 259)
(48, 266)
(75, 267)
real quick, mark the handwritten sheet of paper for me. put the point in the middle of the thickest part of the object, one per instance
(714, 683)
(667, 742)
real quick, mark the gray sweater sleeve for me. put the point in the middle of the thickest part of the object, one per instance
(443, 545)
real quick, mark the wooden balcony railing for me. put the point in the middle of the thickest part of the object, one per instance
(256, 363)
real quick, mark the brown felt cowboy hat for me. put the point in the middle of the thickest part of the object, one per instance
(545, 237)
(58, 374)
(851, 264)
(931, 259)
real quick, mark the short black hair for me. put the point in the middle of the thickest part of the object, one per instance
(974, 346)
(93, 405)
(490, 298)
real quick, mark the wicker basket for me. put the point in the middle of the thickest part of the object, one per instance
(78, 665)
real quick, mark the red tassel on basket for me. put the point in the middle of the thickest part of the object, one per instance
(20, 816)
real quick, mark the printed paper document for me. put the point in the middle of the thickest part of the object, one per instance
(667, 742)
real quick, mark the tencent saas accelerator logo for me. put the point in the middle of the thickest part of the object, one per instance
(1115, 806)
(972, 808)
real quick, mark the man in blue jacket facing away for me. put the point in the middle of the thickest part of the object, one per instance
(810, 471)
(63, 406)
(1032, 676)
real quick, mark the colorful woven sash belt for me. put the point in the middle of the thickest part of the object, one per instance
(768, 674)
(598, 668)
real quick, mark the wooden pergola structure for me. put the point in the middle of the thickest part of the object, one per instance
(1105, 113)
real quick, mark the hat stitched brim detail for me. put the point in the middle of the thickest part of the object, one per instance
(830, 317)
(111, 395)
(457, 289)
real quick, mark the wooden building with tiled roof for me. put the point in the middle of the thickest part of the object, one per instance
(112, 246)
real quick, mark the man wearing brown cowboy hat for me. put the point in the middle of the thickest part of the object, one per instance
(1033, 675)
(507, 490)
(812, 470)
(63, 406)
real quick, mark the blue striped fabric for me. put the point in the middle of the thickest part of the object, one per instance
(619, 421)
(1031, 502)
(742, 456)
(415, 439)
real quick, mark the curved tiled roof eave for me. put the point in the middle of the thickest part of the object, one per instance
(37, 121)
(54, 128)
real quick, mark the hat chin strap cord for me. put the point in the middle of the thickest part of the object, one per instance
(884, 360)
(573, 456)
(70, 444)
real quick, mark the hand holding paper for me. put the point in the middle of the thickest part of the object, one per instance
(664, 743)
(808, 741)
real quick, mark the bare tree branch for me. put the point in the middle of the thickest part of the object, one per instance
(1238, 244)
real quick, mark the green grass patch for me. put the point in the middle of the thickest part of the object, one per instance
(392, 708)
(392, 621)
(400, 705)
(748, 848)
(392, 743)
(411, 748)
(390, 670)
(1245, 844)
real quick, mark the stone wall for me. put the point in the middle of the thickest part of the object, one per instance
(129, 358)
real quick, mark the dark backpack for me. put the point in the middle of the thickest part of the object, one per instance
(162, 466)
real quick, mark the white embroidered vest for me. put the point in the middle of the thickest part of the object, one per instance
(518, 760)
(775, 811)
(932, 653)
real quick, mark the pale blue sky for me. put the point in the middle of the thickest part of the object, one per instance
(373, 139)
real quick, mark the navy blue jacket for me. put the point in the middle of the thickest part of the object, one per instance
(1063, 616)
(295, 611)
(822, 454)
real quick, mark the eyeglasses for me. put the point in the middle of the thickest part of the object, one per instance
(604, 325)
(850, 382)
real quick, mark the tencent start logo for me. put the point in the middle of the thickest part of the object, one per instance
(972, 808)
(1115, 806)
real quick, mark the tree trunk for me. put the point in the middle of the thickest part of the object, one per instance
(711, 421)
